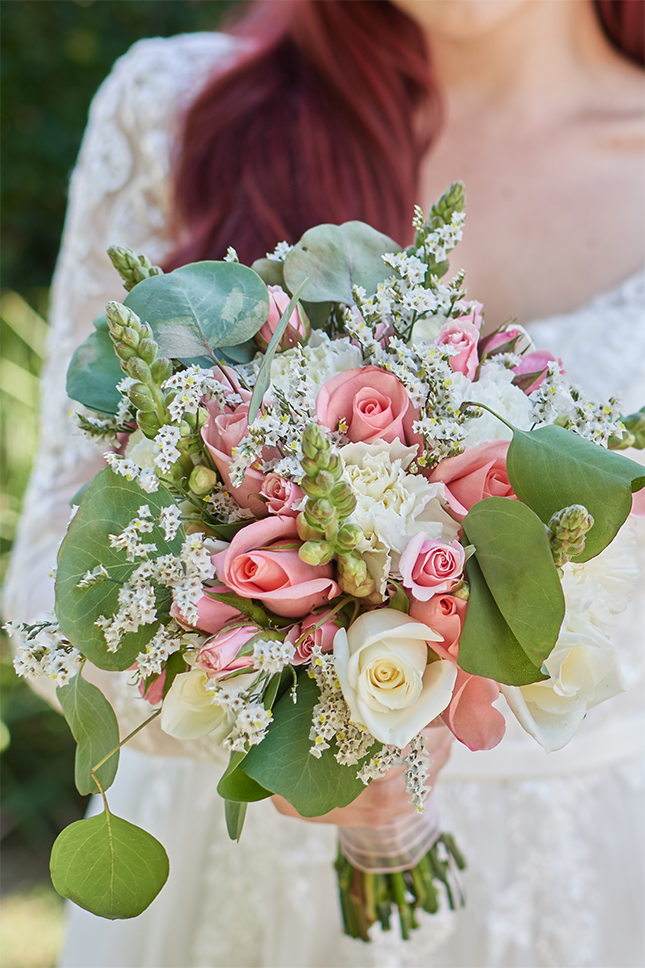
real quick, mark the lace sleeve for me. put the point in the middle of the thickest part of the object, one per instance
(118, 195)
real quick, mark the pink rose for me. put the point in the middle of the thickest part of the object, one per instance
(430, 567)
(463, 333)
(262, 562)
(470, 715)
(213, 614)
(531, 363)
(445, 614)
(281, 495)
(372, 402)
(297, 328)
(322, 636)
(477, 473)
(489, 344)
(219, 655)
(221, 433)
(638, 504)
(154, 693)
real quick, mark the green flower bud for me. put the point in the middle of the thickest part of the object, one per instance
(141, 397)
(132, 266)
(319, 485)
(149, 423)
(320, 513)
(161, 370)
(124, 352)
(139, 370)
(567, 529)
(314, 441)
(347, 537)
(131, 337)
(316, 552)
(306, 531)
(202, 480)
(353, 576)
(119, 315)
(148, 350)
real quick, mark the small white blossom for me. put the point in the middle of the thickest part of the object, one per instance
(43, 650)
(129, 541)
(170, 521)
(93, 577)
(158, 650)
(280, 252)
(231, 255)
(272, 656)
(166, 440)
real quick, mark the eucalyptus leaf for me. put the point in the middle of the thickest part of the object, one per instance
(237, 786)
(335, 258)
(108, 866)
(200, 307)
(107, 507)
(551, 468)
(263, 380)
(513, 552)
(282, 763)
(487, 647)
(94, 372)
(235, 814)
(95, 729)
(270, 271)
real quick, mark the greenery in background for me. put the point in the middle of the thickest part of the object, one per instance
(55, 53)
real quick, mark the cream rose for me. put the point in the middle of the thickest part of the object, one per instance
(389, 684)
(189, 712)
(584, 671)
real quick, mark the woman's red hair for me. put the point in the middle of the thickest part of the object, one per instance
(325, 118)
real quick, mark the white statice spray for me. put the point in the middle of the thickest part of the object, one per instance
(43, 650)
(280, 252)
(225, 508)
(193, 385)
(166, 441)
(271, 655)
(170, 521)
(380, 764)
(165, 641)
(129, 539)
(415, 774)
(123, 466)
(251, 718)
(558, 401)
(331, 717)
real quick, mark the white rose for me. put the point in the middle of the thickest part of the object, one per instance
(392, 505)
(141, 450)
(495, 389)
(584, 671)
(189, 712)
(386, 679)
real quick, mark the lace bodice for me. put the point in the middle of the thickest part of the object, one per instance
(544, 865)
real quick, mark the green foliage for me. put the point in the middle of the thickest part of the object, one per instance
(235, 814)
(335, 258)
(203, 306)
(95, 729)
(108, 866)
(237, 785)
(282, 763)
(95, 370)
(551, 468)
(108, 506)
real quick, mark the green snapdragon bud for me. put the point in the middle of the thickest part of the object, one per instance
(138, 370)
(141, 396)
(148, 423)
(567, 530)
(347, 538)
(133, 267)
(306, 531)
(202, 480)
(161, 370)
(353, 576)
(316, 552)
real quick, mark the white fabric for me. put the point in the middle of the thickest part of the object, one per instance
(554, 843)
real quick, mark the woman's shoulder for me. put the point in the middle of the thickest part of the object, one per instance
(157, 74)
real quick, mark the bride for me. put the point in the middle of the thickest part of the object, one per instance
(328, 110)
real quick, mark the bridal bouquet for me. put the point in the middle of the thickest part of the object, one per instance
(334, 513)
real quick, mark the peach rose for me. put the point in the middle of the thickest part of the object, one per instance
(219, 655)
(477, 473)
(372, 402)
(322, 636)
(262, 562)
(297, 328)
(430, 567)
(463, 333)
(531, 363)
(281, 495)
(221, 433)
(445, 614)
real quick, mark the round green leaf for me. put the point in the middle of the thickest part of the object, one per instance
(202, 306)
(107, 507)
(95, 729)
(108, 866)
(94, 372)
(551, 468)
(337, 257)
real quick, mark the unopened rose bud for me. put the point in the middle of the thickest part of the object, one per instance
(298, 328)
(202, 480)
(316, 552)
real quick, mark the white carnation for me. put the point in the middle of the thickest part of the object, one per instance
(495, 389)
(325, 358)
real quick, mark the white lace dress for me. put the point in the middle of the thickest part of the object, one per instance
(554, 843)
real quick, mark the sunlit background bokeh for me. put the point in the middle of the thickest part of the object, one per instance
(55, 53)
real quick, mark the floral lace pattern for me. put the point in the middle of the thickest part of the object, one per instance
(555, 871)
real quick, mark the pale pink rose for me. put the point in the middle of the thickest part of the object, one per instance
(219, 656)
(221, 433)
(154, 693)
(638, 504)
(372, 402)
(322, 636)
(463, 333)
(477, 473)
(535, 362)
(281, 495)
(297, 328)
(213, 614)
(430, 567)
(490, 343)
(262, 562)
(445, 614)
(470, 714)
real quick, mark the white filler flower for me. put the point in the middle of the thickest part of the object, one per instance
(388, 682)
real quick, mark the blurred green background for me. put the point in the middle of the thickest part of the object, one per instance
(55, 53)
